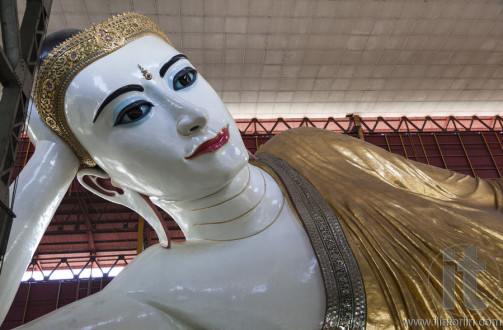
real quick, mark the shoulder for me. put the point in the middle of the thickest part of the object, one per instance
(312, 140)
(309, 133)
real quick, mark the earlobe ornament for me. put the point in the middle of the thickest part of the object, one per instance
(70, 57)
(145, 73)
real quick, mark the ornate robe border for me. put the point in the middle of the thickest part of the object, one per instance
(344, 288)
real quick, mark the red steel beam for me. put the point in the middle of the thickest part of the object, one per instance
(374, 125)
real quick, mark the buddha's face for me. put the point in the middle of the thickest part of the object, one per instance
(159, 129)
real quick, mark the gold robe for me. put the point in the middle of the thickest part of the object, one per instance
(398, 216)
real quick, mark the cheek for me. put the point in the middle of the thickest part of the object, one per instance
(146, 177)
(138, 160)
(151, 140)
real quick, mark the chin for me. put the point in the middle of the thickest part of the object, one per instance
(218, 174)
(226, 171)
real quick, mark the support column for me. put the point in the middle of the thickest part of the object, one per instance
(17, 66)
(358, 125)
(141, 228)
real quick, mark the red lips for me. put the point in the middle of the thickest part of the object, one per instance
(212, 145)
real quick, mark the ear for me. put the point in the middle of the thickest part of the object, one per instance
(99, 182)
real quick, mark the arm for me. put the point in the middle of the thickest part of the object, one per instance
(42, 185)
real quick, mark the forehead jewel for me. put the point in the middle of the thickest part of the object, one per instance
(70, 57)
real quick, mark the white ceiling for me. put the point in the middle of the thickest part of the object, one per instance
(288, 58)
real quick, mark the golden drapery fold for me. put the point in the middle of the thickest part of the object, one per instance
(398, 216)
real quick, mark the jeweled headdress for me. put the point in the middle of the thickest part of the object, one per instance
(66, 60)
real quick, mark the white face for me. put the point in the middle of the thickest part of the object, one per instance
(147, 130)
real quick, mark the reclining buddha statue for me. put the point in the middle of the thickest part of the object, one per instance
(322, 230)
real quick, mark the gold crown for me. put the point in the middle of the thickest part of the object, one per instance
(70, 57)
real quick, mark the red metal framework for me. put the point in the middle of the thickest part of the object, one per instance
(90, 233)
(348, 124)
(479, 154)
(35, 299)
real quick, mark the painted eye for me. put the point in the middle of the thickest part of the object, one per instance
(184, 78)
(133, 112)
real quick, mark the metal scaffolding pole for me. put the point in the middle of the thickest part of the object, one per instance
(17, 67)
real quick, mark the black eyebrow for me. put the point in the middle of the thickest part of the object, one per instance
(120, 91)
(169, 63)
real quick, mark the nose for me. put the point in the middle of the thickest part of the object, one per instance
(190, 118)
(191, 123)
